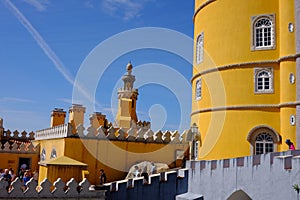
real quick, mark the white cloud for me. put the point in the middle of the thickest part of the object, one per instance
(127, 9)
(40, 5)
(66, 100)
(89, 4)
(13, 99)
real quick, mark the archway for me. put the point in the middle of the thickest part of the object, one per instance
(239, 195)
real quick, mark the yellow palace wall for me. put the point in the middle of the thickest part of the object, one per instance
(11, 160)
(115, 157)
(229, 108)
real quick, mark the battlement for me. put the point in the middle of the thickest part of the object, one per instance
(23, 136)
(137, 134)
(18, 142)
(165, 185)
(273, 173)
(261, 160)
(57, 190)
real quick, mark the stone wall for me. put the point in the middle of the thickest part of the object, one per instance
(163, 186)
(267, 176)
(57, 190)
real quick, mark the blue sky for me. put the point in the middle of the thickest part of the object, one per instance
(43, 44)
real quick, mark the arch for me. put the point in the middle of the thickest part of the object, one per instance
(263, 32)
(239, 195)
(263, 80)
(263, 135)
(199, 48)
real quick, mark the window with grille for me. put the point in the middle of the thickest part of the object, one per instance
(264, 143)
(198, 89)
(263, 32)
(53, 153)
(263, 80)
(199, 48)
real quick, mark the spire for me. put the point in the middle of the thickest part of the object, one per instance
(129, 68)
(127, 100)
(128, 79)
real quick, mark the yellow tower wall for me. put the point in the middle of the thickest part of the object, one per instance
(229, 107)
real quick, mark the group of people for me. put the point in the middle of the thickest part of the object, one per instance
(24, 175)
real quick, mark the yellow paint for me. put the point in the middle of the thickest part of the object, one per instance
(115, 157)
(127, 101)
(126, 112)
(224, 114)
(11, 160)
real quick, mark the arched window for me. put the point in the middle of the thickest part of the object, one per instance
(43, 155)
(198, 89)
(263, 139)
(53, 153)
(199, 48)
(263, 80)
(263, 32)
(264, 143)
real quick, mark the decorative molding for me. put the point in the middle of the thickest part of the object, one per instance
(201, 7)
(246, 65)
(247, 107)
(268, 70)
(254, 19)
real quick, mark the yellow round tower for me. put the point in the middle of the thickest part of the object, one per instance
(243, 84)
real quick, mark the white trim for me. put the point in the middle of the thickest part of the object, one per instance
(198, 89)
(255, 19)
(269, 70)
(200, 48)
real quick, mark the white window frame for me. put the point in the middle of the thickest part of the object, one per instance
(267, 140)
(263, 28)
(200, 48)
(198, 89)
(43, 154)
(270, 77)
(53, 153)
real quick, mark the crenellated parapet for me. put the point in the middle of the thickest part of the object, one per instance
(136, 134)
(19, 147)
(258, 176)
(16, 136)
(16, 142)
(165, 185)
(139, 133)
(57, 190)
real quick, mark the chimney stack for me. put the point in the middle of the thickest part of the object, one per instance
(58, 117)
(76, 115)
(97, 119)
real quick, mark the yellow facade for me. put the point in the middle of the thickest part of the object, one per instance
(230, 104)
(14, 160)
(115, 157)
